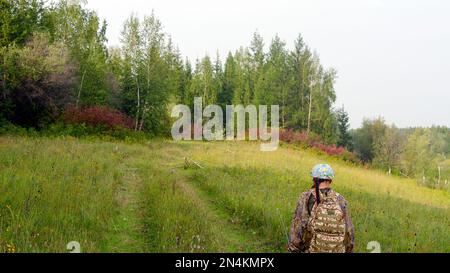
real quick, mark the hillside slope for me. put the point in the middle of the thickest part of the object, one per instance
(117, 197)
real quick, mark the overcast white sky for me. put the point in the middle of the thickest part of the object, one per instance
(392, 56)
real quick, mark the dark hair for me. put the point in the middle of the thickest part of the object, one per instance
(317, 182)
(320, 180)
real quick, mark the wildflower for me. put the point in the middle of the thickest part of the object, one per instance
(10, 248)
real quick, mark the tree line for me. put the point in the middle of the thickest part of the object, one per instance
(58, 57)
(420, 153)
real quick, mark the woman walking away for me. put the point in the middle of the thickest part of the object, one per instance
(321, 221)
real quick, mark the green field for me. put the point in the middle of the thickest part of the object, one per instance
(119, 197)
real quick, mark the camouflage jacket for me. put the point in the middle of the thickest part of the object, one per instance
(299, 237)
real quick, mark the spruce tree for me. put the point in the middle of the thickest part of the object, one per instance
(343, 126)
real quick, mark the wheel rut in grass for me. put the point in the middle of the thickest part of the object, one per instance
(238, 238)
(126, 235)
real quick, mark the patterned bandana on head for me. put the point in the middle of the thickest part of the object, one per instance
(322, 171)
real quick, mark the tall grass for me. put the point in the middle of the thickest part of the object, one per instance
(117, 196)
(54, 192)
(254, 187)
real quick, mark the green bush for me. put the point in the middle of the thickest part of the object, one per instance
(82, 130)
(7, 128)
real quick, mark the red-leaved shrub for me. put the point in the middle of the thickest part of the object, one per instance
(313, 141)
(98, 116)
(302, 138)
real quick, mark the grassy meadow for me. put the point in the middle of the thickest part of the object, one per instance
(144, 197)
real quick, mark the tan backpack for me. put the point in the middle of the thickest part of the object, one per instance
(327, 225)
